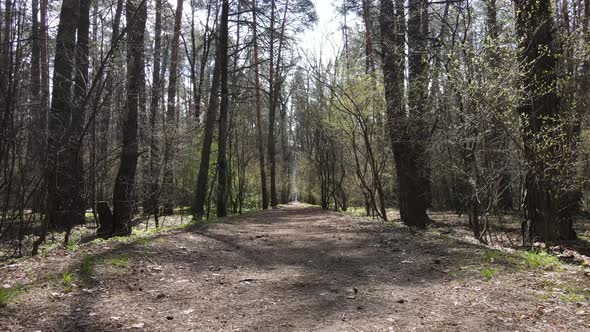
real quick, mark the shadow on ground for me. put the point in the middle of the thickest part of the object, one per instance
(294, 268)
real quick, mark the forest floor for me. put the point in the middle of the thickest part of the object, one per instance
(296, 268)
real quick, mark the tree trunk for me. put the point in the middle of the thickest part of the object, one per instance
(222, 173)
(274, 92)
(65, 204)
(123, 194)
(107, 109)
(170, 126)
(369, 53)
(259, 138)
(406, 131)
(271, 112)
(550, 184)
(203, 176)
(151, 206)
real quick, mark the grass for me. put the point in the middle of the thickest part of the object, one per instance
(488, 273)
(67, 281)
(540, 259)
(491, 262)
(120, 261)
(87, 266)
(566, 292)
(7, 294)
(182, 210)
(493, 255)
(72, 247)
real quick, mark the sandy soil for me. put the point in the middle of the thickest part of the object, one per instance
(296, 268)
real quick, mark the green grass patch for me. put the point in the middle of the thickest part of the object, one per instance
(356, 211)
(87, 266)
(493, 255)
(72, 247)
(488, 273)
(7, 294)
(540, 259)
(120, 261)
(182, 210)
(566, 292)
(67, 281)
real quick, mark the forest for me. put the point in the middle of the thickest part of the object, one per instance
(294, 165)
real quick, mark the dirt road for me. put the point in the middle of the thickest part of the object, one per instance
(296, 268)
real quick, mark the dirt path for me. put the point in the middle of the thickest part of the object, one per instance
(294, 269)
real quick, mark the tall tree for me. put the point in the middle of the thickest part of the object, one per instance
(418, 198)
(258, 96)
(203, 175)
(274, 91)
(65, 203)
(551, 195)
(123, 194)
(405, 129)
(151, 206)
(170, 132)
(272, 109)
(222, 172)
(369, 52)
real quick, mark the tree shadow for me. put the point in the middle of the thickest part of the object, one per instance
(251, 273)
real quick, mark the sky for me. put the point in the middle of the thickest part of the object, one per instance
(324, 38)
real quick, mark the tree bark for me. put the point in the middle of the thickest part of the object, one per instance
(259, 138)
(123, 194)
(271, 112)
(369, 53)
(170, 125)
(203, 176)
(151, 206)
(65, 204)
(274, 91)
(406, 131)
(222, 173)
(551, 192)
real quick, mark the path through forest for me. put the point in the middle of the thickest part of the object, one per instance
(296, 268)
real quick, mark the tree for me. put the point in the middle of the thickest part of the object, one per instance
(151, 206)
(549, 150)
(64, 171)
(170, 125)
(203, 175)
(124, 195)
(222, 172)
(406, 130)
(258, 96)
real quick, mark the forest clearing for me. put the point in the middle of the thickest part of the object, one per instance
(297, 268)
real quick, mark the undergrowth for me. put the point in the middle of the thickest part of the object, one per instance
(120, 261)
(67, 281)
(8, 293)
(488, 273)
(540, 259)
